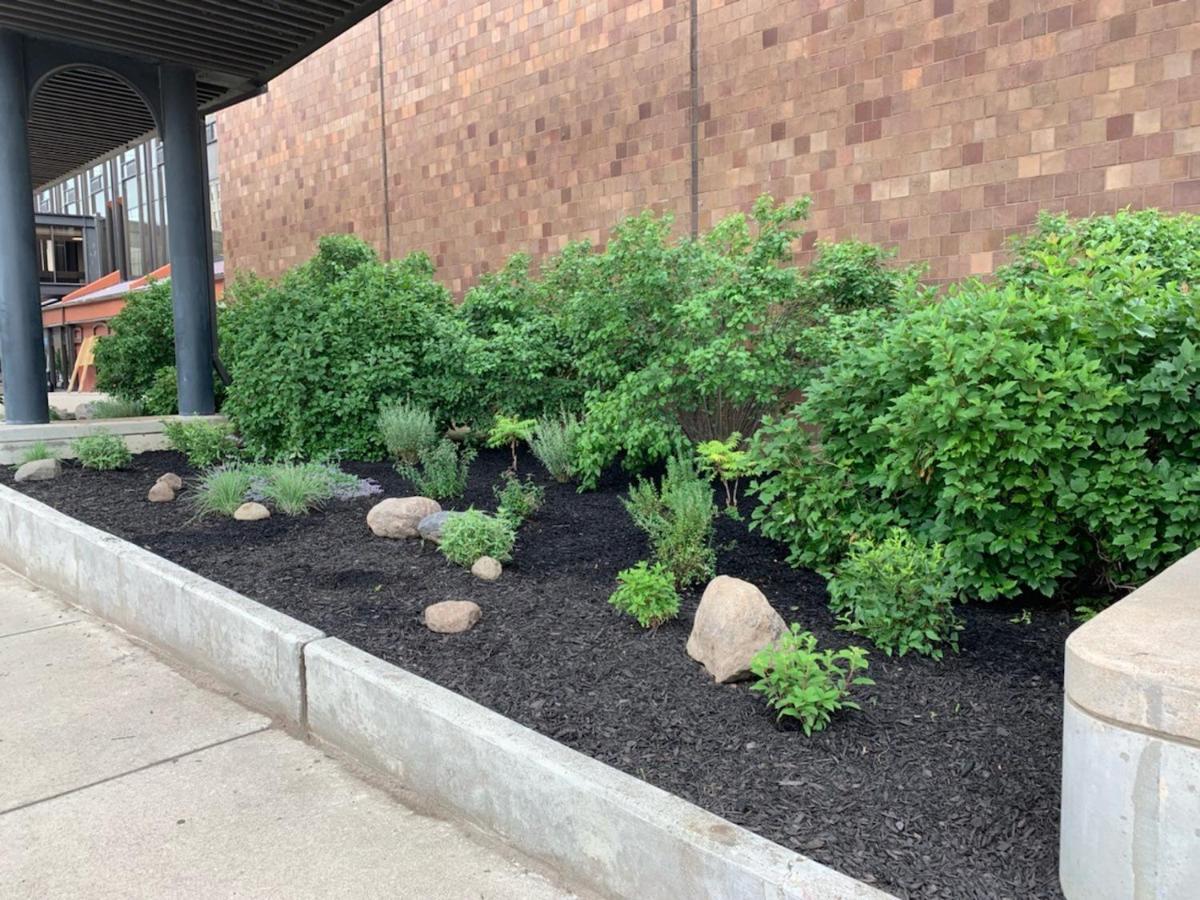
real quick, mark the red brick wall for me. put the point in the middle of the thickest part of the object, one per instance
(936, 126)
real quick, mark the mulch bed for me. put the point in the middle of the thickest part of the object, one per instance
(946, 784)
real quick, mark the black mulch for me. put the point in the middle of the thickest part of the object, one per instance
(946, 784)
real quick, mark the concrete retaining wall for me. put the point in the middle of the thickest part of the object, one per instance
(141, 434)
(596, 825)
(1131, 745)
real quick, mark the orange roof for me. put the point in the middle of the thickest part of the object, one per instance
(106, 281)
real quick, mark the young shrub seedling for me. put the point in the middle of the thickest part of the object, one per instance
(807, 684)
(518, 500)
(554, 443)
(510, 431)
(203, 443)
(407, 429)
(221, 490)
(647, 593)
(725, 461)
(442, 471)
(102, 451)
(473, 534)
(899, 593)
(678, 518)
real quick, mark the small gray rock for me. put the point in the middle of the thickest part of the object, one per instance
(487, 568)
(39, 470)
(251, 512)
(431, 526)
(85, 411)
(452, 616)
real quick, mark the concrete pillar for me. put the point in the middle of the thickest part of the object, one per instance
(21, 352)
(188, 233)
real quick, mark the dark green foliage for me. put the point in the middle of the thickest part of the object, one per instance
(203, 443)
(852, 275)
(898, 593)
(162, 397)
(142, 342)
(678, 518)
(312, 355)
(807, 684)
(473, 534)
(102, 451)
(1043, 430)
(647, 593)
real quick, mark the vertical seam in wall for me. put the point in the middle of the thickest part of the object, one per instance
(694, 67)
(387, 205)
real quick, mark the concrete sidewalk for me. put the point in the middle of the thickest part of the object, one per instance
(121, 778)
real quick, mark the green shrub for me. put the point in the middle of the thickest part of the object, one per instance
(804, 683)
(509, 431)
(203, 443)
(142, 342)
(407, 429)
(518, 500)
(1044, 431)
(296, 489)
(37, 450)
(442, 470)
(678, 518)
(116, 408)
(853, 275)
(221, 490)
(311, 356)
(898, 593)
(102, 451)
(162, 397)
(554, 443)
(473, 534)
(728, 462)
(647, 593)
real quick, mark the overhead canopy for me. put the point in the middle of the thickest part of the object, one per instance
(234, 46)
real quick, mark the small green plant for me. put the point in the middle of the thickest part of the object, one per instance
(509, 431)
(203, 443)
(407, 428)
(37, 450)
(297, 488)
(554, 443)
(804, 683)
(473, 534)
(222, 490)
(647, 593)
(116, 408)
(442, 471)
(678, 518)
(899, 593)
(518, 500)
(102, 451)
(729, 463)
(1024, 617)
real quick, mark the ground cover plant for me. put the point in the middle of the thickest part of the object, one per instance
(467, 537)
(647, 593)
(102, 451)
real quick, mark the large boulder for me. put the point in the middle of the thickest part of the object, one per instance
(733, 622)
(430, 527)
(452, 616)
(397, 517)
(39, 470)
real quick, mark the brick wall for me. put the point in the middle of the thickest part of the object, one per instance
(938, 126)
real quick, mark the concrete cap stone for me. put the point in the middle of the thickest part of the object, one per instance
(1138, 662)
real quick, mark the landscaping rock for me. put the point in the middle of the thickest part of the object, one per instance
(171, 480)
(161, 493)
(398, 517)
(251, 512)
(452, 616)
(39, 470)
(487, 568)
(733, 622)
(459, 433)
(430, 527)
(85, 411)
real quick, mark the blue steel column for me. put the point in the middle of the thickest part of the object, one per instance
(189, 237)
(22, 355)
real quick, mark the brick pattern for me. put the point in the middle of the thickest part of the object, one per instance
(939, 127)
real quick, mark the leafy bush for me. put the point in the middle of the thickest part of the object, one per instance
(311, 356)
(102, 451)
(853, 275)
(509, 431)
(116, 408)
(142, 342)
(728, 462)
(442, 470)
(554, 443)
(221, 490)
(647, 593)
(1044, 430)
(407, 429)
(162, 397)
(203, 443)
(678, 518)
(37, 450)
(899, 594)
(518, 500)
(804, 683)
(473, 534)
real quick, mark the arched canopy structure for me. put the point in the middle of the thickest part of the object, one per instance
(79, 78)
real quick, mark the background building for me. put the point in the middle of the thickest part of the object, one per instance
(473, 130)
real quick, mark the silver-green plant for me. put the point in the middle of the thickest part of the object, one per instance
(442, 471)
(554, 443)
(407, 429)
